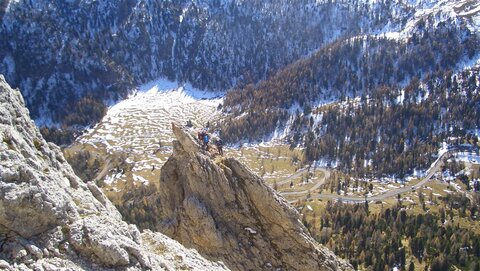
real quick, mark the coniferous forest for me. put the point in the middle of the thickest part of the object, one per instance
(395, 102)
(396, 236)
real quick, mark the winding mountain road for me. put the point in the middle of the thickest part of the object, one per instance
(436, 167)
(326, 175)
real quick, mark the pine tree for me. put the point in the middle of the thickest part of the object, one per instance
(411, 267)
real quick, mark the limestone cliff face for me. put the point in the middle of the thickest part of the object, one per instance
(51, 220)
(228, 213)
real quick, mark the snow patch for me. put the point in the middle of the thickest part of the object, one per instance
(250, 230)
(468, 157)
(140, 179)
(139, 127)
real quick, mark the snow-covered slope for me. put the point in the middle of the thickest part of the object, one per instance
(435, 37)
(457, 12)
(60, 51)
(139, 127)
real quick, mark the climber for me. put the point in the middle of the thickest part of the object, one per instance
(200, 135)
(219, 144)
(205, 141)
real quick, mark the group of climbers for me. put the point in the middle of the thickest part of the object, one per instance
(204, 139)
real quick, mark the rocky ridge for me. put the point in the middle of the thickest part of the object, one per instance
(51, 220)
(218, 206)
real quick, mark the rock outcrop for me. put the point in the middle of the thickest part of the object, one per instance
(228, 213)
(51, 220)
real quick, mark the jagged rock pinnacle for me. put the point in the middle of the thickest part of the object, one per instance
(51, 220)
(185, 139)
(228, 213)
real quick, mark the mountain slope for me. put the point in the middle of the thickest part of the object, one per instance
(372, 104)
(66, 55)
(228, 213)
(347, 68)
(50, 219)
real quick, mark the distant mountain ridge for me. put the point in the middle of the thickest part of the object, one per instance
(69, 55)
(347, 68)
(377, 104)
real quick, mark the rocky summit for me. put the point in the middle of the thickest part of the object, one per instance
(219, 207)
(51, 220)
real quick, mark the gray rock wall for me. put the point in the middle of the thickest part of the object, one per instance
(51, 220)
(228, 213)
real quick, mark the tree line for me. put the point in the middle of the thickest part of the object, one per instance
(379, 136)
(347, 68)
(396, 236)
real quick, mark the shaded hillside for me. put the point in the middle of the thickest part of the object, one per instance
(347, 68)
(58, 52)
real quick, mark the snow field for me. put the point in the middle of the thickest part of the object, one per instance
(140, 126)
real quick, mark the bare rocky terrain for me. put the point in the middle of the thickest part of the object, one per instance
(52, 220)
(228, 213)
